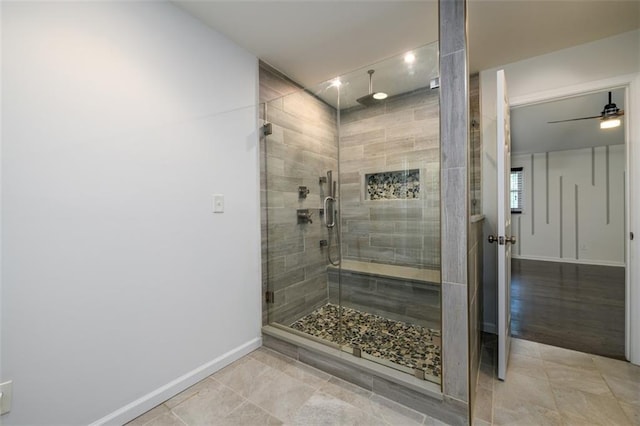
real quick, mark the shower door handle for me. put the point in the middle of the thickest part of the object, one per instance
(327, 212)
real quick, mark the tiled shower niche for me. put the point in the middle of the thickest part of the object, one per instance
(396, 185)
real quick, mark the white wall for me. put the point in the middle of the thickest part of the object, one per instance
(563, 231)
(602, 63)
(120, 119)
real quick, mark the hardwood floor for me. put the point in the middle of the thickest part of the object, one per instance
(579, 307)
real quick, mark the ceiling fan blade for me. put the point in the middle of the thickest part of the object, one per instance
(574, 119)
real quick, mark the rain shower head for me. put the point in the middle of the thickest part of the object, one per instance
(372, 97)
(369, 100)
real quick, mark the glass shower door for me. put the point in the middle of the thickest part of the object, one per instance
(297, 159)
(351, 198)
(389, 157)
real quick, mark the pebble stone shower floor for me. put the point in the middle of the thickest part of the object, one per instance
(405, 344)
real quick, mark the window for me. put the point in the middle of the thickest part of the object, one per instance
(517, 187)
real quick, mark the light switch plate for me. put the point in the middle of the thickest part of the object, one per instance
(6, 392)
(218, 203)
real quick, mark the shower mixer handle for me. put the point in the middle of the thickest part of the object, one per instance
(304, 216)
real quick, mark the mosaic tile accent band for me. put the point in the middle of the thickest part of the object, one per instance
(400, 185)
(404, 344)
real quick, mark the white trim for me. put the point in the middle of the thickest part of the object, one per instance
(504, 223)
(158, 396)
(575, 90)
(632, 318)
(569, 260)
(631, 83)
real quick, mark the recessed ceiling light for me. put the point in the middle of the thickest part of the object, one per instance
(380, 96)
(609, 123)
(409, 58)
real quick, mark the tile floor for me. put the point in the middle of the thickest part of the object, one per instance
(266, 388)
(545, 385)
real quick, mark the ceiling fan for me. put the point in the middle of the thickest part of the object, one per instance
(609, 117)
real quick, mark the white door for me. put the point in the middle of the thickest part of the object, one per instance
(504, 239)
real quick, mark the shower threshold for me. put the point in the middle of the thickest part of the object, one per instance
(400, 345)
(421, 395)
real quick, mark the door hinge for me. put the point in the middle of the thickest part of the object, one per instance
(269, 297)
(631, 236)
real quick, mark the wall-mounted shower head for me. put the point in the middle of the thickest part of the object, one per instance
(372, 97)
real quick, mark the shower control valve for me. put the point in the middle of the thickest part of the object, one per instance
(303, 191)
(304, 216)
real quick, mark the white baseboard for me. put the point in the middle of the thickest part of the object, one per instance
(570, 260)
(158, 396)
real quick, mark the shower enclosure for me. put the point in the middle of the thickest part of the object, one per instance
(351, 213)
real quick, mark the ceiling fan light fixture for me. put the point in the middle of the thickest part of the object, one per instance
(380, 96)
(609, 123)
(609, 117)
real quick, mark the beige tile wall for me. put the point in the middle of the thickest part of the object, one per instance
(475, 172)
(303, 146)
(400, 133)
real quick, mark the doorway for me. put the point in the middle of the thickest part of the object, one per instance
(569, 217)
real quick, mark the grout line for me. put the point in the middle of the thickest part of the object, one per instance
(548, 377)
(553, 394)
(176, 416)
(601, 374)
(247, 400)
(179, 418)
